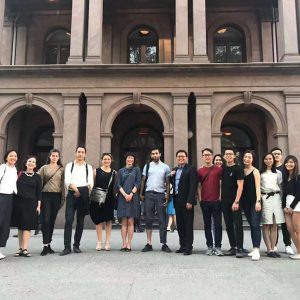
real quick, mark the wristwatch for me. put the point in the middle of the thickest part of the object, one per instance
(236, 202)
(258, 201)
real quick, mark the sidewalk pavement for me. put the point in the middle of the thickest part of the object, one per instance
(136, 275)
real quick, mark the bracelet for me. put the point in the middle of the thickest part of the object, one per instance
(237, 202)
(132, 192)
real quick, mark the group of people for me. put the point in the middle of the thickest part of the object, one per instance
(270, 197)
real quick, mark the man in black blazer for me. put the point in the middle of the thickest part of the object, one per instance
(184, 180)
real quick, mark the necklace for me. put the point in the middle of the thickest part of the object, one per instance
(29, 174)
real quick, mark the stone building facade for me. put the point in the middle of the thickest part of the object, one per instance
(119, 75)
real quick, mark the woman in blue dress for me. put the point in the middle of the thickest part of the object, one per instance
(128, 184)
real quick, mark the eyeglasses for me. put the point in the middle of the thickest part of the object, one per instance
(276, 153)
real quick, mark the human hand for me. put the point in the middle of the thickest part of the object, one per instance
(189, 206)
(257, 206)
(235, 206)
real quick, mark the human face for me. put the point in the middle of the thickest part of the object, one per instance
(207, 157)
(248, 159)
(12, 158)
(290, 165)
(218, 161)
(155, 155)
(181, 158)
(129, 160)
(269, 161)
(80, 154)
(54, 157)
(30, 164)
(229, 156)
(278, 156)
(106, 161)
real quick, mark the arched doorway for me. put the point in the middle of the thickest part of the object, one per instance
(30, 131)
(137, 129)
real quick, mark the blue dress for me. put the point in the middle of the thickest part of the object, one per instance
(128, 178)
(170, 208)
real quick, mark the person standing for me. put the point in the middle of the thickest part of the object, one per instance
(291, 200)
(27, 205)
(156, 181)
(251, 201)
(128, 185)
(8, 187)
(272, 213)
(79, 182)
(232, 188)
(277, 152)
(184, 181)
(53, 187)
(218, 160)
(210, 177)
(104, 178)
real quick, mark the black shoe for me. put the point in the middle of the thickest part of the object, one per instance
(271, 254)
(50, 250)
(189, 252)
(230, 252)
(245, 251)
(45, 251)
(66, 251)
(277, 254)
(180, 250)
(76, 249)
(147, 248)
(239, 253)
(165, 248)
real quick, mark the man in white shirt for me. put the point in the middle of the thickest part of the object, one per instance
(79, 181)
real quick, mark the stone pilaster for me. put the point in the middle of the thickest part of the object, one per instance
(2, 12)
(95, 32)
(77, 32)
(199, 31)
(266, 35)
(168, 148)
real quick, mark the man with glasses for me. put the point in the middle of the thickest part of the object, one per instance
(232, 188)
(210, 177)
(277, 152)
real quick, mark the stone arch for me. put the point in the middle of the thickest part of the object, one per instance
(111, 114)
(13, 106)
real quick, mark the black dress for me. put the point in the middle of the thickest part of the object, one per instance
(24, 215)
(105, 212)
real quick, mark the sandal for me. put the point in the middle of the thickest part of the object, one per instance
(25, 253)
(19, 253)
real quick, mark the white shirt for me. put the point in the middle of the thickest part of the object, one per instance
(9, 180)
(78, 175)
(270, 182)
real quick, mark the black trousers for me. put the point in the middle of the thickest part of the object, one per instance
(285, 235)
(212, 209)
(50, 207)
(185, 224)
(6, 206)
(78, 205)
(234, 225)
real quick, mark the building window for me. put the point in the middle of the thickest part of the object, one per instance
(229, 45)
(143, 46)
(57, 47)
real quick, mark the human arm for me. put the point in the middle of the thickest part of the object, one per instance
(91, 177)
(192, 187)
(236, 203)
(297, 194)
(258, 192)
(39, 187)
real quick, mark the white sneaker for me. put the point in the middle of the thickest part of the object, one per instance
(251, 253)
(289, 250)
(295, 256)
(2, 256)
(99, 246)
(256, 254)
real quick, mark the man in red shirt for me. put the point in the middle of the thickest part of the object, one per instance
(210, 177)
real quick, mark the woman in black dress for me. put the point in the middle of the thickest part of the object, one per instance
(104, 178)
(27, 204)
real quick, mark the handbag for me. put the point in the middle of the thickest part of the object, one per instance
(98, 195)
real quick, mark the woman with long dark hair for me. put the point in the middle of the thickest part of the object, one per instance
(291, 200)
(52, 175)
(272, 213)
(8, 187)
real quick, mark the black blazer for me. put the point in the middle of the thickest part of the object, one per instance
(187, 186)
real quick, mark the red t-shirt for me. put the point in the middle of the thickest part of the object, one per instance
(210, 188)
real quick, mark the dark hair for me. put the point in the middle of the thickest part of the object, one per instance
(181, 150)
(230, 149)
(50, 153)
(27, 158)
(155, 148)
(107, 154)
(80, 146)
(296, 169)
(252, 153)
(263, 165)
(130, 154)
(220, 155)
(207, 149)
(275, 149)
(7, 153)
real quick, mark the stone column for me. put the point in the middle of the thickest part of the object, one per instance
(182, 32)
(94, 51)
(77, 32)
(199, 32)
(58, 138)
(106, 138)
(266, 35)
(203, 123)
(3, 138)
(180, 120)
(282, 143)
(216, 142)
(292, 101)
(168, 148)
(93, 128)
(287, 31)
(21, 46)
(71, 126)
(2, 12)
